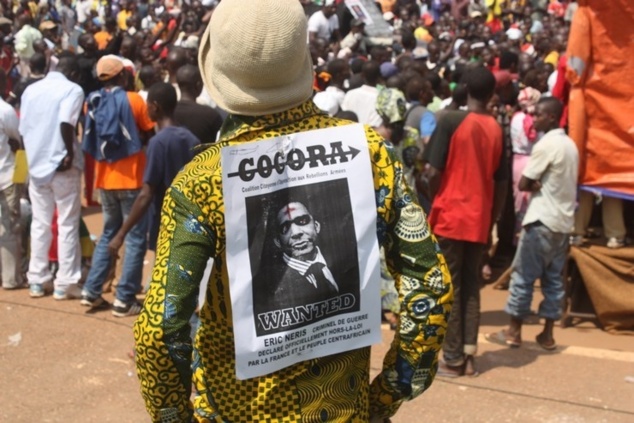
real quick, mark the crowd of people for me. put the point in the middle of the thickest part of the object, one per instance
(470, 94)
(76, 83)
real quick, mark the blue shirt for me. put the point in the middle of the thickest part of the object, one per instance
(167, 153)
(427, 124)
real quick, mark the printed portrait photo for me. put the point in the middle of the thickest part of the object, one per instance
(303, 254)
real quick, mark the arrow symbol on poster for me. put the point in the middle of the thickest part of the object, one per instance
(296, 159)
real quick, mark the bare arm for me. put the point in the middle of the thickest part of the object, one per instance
(15, 145)
(433, 176)
(337, 35)
(68, 136)
(530, 185)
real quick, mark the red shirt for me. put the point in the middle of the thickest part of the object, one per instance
(468, 148)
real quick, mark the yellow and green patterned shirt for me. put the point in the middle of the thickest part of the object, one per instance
(335, 388)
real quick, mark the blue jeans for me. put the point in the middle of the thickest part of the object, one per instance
(116, 206)
(541, 254)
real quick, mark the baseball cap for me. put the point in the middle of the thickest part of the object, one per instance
(388, 69)
(47, 25)
(108, 67)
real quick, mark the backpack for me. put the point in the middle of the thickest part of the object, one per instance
(110, 131)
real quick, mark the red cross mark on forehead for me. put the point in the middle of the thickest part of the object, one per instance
(288, 211)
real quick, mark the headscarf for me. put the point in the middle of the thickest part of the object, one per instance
(528, 98)
(391, 105)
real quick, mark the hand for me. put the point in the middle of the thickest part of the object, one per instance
(115, 245)
(14, 145)
(536, 186)
(66, 163)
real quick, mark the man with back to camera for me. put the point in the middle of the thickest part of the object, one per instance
(168, 151)
(467, 178)
(256, 65)
(119, 167)
(49, 113)
(202, 120)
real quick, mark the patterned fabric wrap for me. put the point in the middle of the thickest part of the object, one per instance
(335, 388)
(391, 105)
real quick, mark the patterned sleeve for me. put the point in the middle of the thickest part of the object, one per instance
(422, 280)
(162, 331)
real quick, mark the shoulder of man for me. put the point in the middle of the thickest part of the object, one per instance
(134, 97)
(452, 118)
(179, 136)
(5, 108)
(75, 89)
(205, 169)
(202, 108)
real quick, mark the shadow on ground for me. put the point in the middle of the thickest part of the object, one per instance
(500, 318)
(509, 357)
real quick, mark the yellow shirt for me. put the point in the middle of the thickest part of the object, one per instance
(334, 388)
(552, 58)
(122, 17)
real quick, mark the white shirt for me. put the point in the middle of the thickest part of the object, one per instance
(552, 81)
(555, 163)
(324, 27)
(47, 104)
(83, 8)
(362, 101)
(24, 40)
(8, 129)
(329, 100)
(519, 140)
(143, 95)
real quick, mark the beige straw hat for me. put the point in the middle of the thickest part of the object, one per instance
(254, 57)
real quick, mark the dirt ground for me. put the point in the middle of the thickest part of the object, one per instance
(59, 364)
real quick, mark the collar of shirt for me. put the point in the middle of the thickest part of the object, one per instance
(302, 266)
(55, 75)
(236, 125)
(556, 131)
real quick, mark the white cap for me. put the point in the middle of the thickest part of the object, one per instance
(514, 34)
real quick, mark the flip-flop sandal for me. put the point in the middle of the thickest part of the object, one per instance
(447, 371)
(547, 347)
(502, 338)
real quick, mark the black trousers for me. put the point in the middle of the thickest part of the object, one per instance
(463, 259)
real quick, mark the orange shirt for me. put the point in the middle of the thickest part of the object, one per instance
(387, 5)
(102, 38)
(126, 173)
